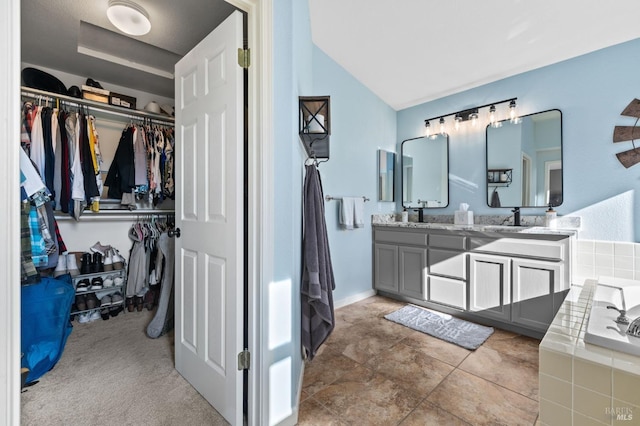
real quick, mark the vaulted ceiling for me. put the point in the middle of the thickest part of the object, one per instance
(412, 51)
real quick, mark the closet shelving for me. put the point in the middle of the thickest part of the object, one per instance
(109, 208)
(119, 273)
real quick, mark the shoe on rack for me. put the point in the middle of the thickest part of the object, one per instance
(72, 265)
(95, 315)
(85, 266)
(104, 313)
(118, 260)
(118, 281)
(83, 318)
(81, 302)
(92, 301)
(96, 263)
(82, 286)
(61, 267)
(99, 248)
(107, 282)
(117, 299)
(108, 261)
(96, 284)
(106, 301)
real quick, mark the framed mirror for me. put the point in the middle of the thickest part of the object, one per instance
(524, 161)
(386, 174)
(425, 172)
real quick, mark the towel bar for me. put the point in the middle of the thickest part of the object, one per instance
(330, 198)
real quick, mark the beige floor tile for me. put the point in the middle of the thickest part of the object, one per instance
(428, 414)
(522, 347)
(505, 370)
(312, 413)
(364, 340)
(363, 397)
(479, 401)
(410, 368)
(436, 348)
(324, 369)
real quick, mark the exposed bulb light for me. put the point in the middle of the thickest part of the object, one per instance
(458, 120)
(128, 17)
(427, 126)
(474, 118)
(513, 114)
(442, 128)
(492, 115)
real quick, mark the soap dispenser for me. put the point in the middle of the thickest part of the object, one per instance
(550, 217)
(405, 215)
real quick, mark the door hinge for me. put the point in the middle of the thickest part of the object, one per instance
(244, 360)
(244, 57)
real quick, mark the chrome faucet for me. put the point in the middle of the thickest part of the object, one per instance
(622, 318)
(516, 216)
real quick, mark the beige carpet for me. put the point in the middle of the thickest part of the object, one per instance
(112, 373)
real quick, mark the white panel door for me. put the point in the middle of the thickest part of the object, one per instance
(209, 212)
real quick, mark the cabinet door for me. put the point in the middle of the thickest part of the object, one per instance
(448, 263)
(413, 271)
(534, 285)
(489, 286)
(385, 276)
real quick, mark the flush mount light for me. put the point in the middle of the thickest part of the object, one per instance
(128, 17)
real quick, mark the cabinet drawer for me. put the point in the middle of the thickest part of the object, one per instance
(413, 238)
(553, 250)
(447, 291)
(448, 262)
(454, 242)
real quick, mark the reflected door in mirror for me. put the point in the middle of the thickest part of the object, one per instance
(532, 149)
(386, 172)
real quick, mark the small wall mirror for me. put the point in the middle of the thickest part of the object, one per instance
(524, 161)
(425, 172)
(386, 173)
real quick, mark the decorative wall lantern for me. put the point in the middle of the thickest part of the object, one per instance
(314, 125)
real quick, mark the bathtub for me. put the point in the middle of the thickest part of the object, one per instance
(602, 329)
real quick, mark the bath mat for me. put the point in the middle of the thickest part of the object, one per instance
(443, 326)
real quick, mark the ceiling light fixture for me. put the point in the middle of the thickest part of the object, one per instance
(128, 17)
(472, 114)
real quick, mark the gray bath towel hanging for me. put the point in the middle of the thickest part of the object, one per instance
(317, 272)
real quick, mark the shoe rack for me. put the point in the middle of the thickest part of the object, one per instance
(87, 286)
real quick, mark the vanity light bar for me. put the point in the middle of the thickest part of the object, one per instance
(472, 114)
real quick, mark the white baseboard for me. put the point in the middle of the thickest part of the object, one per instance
(353, 299)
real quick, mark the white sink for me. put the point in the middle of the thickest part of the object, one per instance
(602, 329)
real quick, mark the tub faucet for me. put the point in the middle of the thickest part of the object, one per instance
(622, 319)
(420, 214)
(516, 216)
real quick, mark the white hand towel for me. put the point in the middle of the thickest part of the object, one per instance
(358, 212)
(347, 208)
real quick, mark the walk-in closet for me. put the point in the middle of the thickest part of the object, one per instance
(99, 163)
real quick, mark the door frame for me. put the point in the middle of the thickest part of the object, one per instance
(261, 192)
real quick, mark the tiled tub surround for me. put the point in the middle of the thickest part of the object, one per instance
(583, 384)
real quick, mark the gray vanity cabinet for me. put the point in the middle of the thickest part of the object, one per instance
(512, 280)
(400, 262)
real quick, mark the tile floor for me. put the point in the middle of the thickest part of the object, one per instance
(372, 371)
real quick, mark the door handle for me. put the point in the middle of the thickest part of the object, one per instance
(174, 232)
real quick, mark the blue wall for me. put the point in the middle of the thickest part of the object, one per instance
(361, 123)
(591, 91)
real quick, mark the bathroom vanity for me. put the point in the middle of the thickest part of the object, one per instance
(511, 277)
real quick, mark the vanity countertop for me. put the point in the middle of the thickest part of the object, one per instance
(568, 225)
(479, 228)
